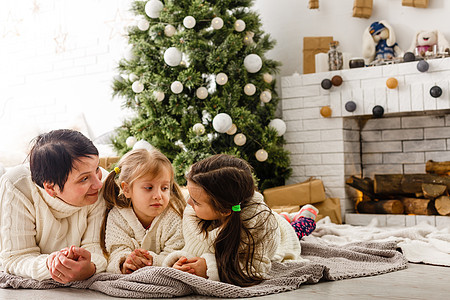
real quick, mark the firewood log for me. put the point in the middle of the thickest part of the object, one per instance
(438, 168)
(406, 183)
(418, 206)
(364, 185)
(380, 207)
(442, 205)
(432, 191)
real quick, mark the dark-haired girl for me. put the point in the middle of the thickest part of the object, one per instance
(230, 234)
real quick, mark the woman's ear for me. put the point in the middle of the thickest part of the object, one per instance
(126, 189)
(50, 189)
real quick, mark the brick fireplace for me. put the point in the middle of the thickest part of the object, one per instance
(415, 128)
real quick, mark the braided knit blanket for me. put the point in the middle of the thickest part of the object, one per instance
(326, 263)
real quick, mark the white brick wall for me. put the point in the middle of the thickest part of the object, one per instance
(58, 59)
(355, 143)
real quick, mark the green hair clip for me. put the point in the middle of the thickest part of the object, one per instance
(236, 207)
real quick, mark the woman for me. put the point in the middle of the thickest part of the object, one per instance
(50, 211)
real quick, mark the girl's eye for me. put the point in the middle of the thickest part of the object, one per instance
(84, 179)
(148, 187)
(165, 188)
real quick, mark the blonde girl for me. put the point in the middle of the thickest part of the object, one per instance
(144, 212)
(230, 233)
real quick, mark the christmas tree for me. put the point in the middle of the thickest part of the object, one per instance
(196, 76)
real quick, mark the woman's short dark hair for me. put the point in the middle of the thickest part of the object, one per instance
(53, 154)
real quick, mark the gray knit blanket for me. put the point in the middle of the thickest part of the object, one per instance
(326, 263)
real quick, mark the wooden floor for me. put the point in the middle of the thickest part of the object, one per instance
(418, 281)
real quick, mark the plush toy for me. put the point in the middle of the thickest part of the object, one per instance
(424, 41)
(379, 42)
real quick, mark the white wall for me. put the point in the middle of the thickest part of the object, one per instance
(288, 21)
(57, 61)
(58, 57)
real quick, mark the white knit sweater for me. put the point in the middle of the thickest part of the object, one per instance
(125, 233)
(33, 225)
(277, 239)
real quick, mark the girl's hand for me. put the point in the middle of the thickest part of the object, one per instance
(137, 259)
(181, 265)
(198, 265)
(70, 264)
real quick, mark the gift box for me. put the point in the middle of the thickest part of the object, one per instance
(312, 46)
(299, 194)
(331, 207)
(313, 4)
(362, 8)
(415, 3)
(286, 208)
(107, 162)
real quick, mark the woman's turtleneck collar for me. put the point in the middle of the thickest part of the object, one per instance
(58, 207)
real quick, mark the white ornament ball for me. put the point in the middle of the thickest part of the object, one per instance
(249, 89)
(267, 78)
(266, 96)
(232, 130)
(143, 24)
(278, 125)
(169, 30)
(129, 54)
(133, 77)
(222, 122)
(172, 56)
(189, 22)
(159, 95)
(201, 93)
(176, 87)
(253, 63)
(239, 25)
(217, 23)
(131, 141)
(142, 144)
(137, 87)
(153, 8)
(198, 128)
(221, 78)
(261, 155)
(240, 139)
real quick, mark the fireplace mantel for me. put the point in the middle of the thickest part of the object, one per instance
(333, 148)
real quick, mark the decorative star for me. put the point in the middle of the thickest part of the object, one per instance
(60, 40)
(118, 25)
(11, 26)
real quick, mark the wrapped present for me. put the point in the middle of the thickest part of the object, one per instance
(313, 4)
(362, 8)
(299, 194)
(312, 46)
(286, 208)
(107, 162)
(331, 207)
(415, 3)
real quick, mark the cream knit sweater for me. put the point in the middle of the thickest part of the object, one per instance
(33, 225)
(125, 233)
(277, 240)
